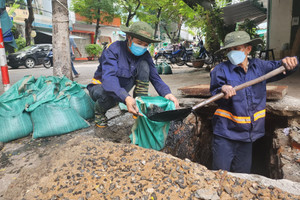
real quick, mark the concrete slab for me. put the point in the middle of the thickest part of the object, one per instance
(274, 92)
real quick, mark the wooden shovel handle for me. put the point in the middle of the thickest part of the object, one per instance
(240, 87)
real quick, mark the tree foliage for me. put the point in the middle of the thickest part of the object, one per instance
(210, 24)
(21, 3)
(95, 11)
(166, 15)
(128, 9)
(250, 27)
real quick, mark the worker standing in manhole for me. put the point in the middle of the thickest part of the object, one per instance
(124, 64)
(240, 117)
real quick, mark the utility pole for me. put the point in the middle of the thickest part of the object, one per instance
(60, 39)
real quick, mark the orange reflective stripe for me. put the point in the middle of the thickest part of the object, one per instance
(260, 114)
(229, 115)
(95, 81)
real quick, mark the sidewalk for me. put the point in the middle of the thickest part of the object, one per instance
(182, 76)
(200, 76)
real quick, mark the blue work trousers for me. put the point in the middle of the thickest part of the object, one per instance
(231, 155)
(72, 65)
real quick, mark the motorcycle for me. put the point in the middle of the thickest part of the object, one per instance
(204, 54)
(180, 57)
(48, 60)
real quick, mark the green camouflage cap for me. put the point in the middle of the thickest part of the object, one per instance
(237, 38)
(140, 30)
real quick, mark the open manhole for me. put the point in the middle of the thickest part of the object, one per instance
(191, 139)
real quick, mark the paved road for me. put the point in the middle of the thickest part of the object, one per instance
(182, 76)
(86, 70)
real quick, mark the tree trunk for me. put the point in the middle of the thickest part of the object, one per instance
(28, 23)
(60, 39)
(211, 35)
(97, 27)
(131, 15)
(179, 31)
(168, 34)
(157, 23)
(128, 19)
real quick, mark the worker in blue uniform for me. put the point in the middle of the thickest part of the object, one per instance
(124, 64)
(240, 117)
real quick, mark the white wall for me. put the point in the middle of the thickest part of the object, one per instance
(46, 7)
(184, 34)
(108, 31)
(280, 25)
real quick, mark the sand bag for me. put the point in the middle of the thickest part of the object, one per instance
(14, 122)
(56, 118)
(83, 104)
(15, 127)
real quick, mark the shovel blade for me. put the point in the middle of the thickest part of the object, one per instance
(171, 115)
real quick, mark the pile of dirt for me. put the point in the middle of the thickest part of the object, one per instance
(87, 167)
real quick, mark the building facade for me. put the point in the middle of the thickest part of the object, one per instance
(284, 27)
(82, 32)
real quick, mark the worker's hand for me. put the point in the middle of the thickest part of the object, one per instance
(290, 63)
(173, 98)
(132, 107)
(228, 90)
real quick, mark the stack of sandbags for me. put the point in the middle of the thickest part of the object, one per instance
(47, 106)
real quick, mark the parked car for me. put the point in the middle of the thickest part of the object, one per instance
(29, 56)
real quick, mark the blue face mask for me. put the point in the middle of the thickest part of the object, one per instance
(137, 49)
(236, 57)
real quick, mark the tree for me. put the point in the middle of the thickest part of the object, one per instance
(129, 8)
(161, 14)
(151, 13)
(21, 3)
(209, 20)
(60, 39)
(28, 22)
(95, 10)
(171, 15)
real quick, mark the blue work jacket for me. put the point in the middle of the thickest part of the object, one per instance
(241, 117)
(118, 65)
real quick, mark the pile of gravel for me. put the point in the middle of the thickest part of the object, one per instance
(87, 167)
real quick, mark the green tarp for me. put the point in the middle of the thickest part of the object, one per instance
(147, 133)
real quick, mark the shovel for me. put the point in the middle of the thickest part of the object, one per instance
(179, 114)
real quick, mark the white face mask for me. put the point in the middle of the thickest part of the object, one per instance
(236, 57)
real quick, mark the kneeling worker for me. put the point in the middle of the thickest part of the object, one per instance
(124, 64)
